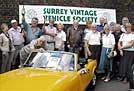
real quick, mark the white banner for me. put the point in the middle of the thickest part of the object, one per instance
(66, 15)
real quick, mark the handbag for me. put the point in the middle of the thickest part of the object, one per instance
(114, 53)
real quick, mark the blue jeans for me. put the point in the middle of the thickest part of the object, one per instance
(104, 53)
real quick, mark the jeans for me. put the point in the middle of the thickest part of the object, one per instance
(104, 53)
(7, 58)
(16, 54)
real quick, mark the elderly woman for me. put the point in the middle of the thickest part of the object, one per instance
(125, 45)
(108, 43)
(86, 31)
(60, 38)
(7, 48)
(37, 44)
(88, 26)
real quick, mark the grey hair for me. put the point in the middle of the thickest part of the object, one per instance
(94, 25)
(106, 27)
(41, 38)
(60, 24)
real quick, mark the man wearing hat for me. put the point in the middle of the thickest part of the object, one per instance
(17, 37)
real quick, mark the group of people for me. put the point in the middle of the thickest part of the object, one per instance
(112, 45)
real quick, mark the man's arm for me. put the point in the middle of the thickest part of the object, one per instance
(25, 24)
(86, 47)
(68, 35)
(47, 33)
(129, 45)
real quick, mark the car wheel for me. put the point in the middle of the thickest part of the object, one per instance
(92, 84)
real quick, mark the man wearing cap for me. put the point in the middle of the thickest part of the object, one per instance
(17, 38)
(50, 33)
(32, 31)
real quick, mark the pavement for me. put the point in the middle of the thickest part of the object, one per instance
(113, 85)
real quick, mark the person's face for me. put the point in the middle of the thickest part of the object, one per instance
(5, 28)
(60, 27)
(117, 29)
(88, 25)
(125, 20)
(51, 23)
(14, 25)
(93, 28)
(40, 42)
(34, 22)
(107, 30)
(75, 24)
(102, 20)
(128, 29)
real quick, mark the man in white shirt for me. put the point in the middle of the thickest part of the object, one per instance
(50, 33)
(125, 45)
(17, 37)
(92, 43)
(124, 21)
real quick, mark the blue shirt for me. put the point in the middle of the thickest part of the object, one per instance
(100, 28)
(30, 35)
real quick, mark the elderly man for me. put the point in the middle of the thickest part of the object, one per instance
(102, 24)
(32, 31)
(17, 38)
(125, 45)
(50, 33)
(75, 37)
(92, 43)
(37, 44)
(124, 21)
(116, 60)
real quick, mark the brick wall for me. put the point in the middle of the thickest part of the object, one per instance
(9, 8)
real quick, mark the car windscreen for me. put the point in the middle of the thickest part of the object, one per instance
(52, 60)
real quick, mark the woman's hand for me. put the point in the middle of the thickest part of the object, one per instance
(110, 55)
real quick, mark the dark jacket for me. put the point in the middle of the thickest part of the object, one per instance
(75, 37)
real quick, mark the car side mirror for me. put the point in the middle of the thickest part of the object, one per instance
(83, 71)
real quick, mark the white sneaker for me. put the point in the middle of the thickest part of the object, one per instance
(103, 78)
(107, 79)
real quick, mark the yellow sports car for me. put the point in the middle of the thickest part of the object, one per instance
(50, 71)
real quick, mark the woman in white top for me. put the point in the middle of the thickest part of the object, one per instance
(88, 27)
(60, 38)
(7, 48)
(125, 45)
(108, 43)
(86, 31)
